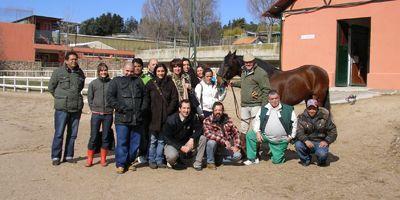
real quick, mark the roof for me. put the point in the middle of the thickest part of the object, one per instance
(277, 8)
(245, 40)
(37, 16)
(92, 45)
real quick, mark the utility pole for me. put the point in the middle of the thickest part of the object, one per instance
(192, 33)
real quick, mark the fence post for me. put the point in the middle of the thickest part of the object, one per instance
(41, 85)
(4, 84)
(15, 84)
(27, 84)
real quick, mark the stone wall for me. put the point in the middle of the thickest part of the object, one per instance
(19, 65)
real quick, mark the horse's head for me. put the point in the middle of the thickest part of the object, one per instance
(230, 68)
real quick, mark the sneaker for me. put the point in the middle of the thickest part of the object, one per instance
(251, 162)
(120, 170)
(162, 165)
(69, 160)
(55, 162)
(306, 163)
(153, 165)
(197, 168)
(132, 168)
(142, 159)
(211, 166)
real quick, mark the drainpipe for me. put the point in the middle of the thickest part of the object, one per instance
(280, 41)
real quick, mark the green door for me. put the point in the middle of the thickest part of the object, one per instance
(342, 61)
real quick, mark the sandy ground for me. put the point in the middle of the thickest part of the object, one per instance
(361, 165)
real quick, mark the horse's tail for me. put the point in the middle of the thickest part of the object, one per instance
(327, 102)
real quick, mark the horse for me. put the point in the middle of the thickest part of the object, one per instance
(293, 86)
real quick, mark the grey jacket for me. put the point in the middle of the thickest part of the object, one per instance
(97, 93)
(66, 85)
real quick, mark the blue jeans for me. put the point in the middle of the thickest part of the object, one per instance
(128, 141)
(213, 146)
(156, 149)
(105, 121)
(64, 119)
(305, 153)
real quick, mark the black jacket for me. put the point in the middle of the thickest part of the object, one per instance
(161, 105)
(127, 95)
(176, 132)
(318, 128)
(97, 93)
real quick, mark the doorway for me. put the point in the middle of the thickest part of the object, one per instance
(353, 52)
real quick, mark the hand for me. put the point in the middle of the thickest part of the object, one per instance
(185, 149)
(190, 144)
(323, 143)
(289, 138)
(259, 137)
(188, 86)
(235, 149)
(227, 144)
(254, 94)
(309, 144)
(230, 83)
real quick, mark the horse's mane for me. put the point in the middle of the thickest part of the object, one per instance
(270, 69)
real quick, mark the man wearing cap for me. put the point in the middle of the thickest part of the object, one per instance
(254, 84)
(274, 124)
(315, 132)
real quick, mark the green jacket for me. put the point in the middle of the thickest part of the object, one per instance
(66, 85)
(256, 80)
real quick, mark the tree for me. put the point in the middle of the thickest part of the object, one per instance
(130, 25)
(257, 8)
(105, 24)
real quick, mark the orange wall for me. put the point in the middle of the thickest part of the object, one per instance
(321, 51)
(16, 42)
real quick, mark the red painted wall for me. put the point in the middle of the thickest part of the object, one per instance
(16, 42)
(321, 51)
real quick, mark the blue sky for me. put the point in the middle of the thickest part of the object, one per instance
(79, 10)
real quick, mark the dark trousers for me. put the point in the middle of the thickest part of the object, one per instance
(128, 140)
(64, 119)
(105, 121)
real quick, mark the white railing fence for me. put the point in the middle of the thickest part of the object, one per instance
(30, 83)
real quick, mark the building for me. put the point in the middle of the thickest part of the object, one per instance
(38, 38)
(355, 41)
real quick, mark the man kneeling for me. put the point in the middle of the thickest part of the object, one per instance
(182, 134)
(220, 132)
(274, 124)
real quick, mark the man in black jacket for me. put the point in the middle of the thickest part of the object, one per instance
(65, 85)
(126, 94)
(182, 134)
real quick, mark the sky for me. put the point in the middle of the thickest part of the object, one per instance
(80, 10)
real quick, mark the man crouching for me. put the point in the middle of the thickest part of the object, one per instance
(222, 136)
(182, 134)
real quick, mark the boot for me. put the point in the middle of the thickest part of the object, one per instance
(103, 155)
(89, 161)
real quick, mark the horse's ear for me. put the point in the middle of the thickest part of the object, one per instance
(229, 53)
(234, 53)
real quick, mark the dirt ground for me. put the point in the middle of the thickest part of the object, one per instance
(362, 165)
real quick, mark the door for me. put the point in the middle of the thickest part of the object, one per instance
(360, 40)
(342, 53)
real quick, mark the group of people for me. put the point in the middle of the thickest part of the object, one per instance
(167, 119)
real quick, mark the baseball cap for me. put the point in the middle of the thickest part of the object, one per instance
(312, 102)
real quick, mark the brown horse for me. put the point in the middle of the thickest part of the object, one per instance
(293, 86)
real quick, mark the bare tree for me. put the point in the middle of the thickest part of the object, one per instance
(257, 8)
(163, 19)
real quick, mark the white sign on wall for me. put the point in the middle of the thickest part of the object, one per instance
(307, 37)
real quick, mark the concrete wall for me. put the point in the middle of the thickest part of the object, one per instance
(212, 53)
(321, 51)
(19, 47)
(19, 65)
